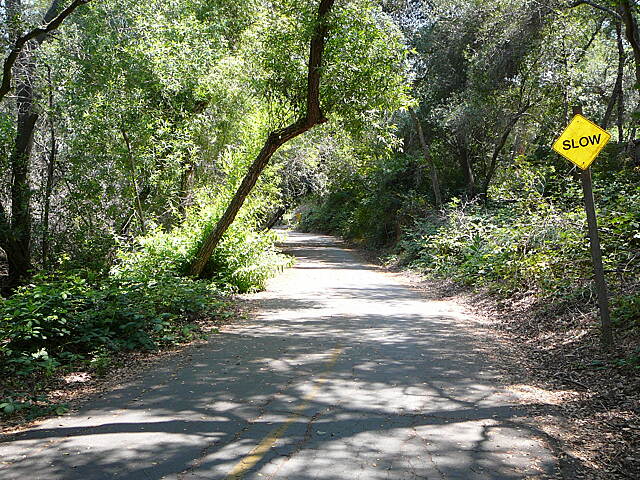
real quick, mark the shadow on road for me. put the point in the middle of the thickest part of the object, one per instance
(410, 396)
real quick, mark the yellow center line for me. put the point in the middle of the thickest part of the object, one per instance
(255, 455)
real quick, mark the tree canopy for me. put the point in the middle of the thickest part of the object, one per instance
(148, 147)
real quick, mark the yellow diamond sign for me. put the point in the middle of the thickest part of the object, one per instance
(581, 141)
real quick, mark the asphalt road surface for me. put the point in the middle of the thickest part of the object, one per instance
(341, 373)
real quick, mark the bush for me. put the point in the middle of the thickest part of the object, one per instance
(242, 262)
(63, 319)
(506, 249)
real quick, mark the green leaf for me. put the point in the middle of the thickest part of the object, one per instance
(61, 410)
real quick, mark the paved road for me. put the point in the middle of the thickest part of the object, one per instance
(342, 373)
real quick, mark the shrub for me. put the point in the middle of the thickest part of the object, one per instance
(242, 262)
(505, 248)
(59, 320)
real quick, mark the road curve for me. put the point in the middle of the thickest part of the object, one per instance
(341, 373)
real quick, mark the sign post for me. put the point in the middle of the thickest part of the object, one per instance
(580, 143)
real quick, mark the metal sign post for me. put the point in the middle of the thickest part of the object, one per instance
(581, 143)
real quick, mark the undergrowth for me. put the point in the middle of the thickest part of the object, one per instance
(79, 320)
(529, 239)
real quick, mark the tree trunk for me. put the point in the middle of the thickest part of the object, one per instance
(465, 166)
(616, 94)
(621, 60)
(274, 218)
(631, 32)
(275, 140)
(565, 87)
(435, 183)
(51, 163)
(137, 202)
(20, 160)
(15, 233)
(498, 148)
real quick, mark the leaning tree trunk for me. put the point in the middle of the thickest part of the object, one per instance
(274, 219)
(275, 140)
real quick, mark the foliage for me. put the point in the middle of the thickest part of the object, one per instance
(527, 241)
(34, 407)
(243, 262)
(79, 321)
(144, 303)
(68, 318)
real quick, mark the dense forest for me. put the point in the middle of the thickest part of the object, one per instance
(147, 148)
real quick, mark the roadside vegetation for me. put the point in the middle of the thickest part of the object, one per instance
(127, 128)
(147, 148)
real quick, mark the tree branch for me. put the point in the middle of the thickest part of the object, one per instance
(312, 117)
(314, 114)
(48, 17)
(597, 6)
(632, 34)
(39, 33)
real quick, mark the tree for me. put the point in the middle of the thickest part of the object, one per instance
(313, 116)
(435, 183)
(15, 232)
(21, 41)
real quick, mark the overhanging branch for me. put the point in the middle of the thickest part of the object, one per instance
(39, 34)
(597, 6)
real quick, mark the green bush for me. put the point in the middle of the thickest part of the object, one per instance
(242, 262)
(505, 248)
(59, 320)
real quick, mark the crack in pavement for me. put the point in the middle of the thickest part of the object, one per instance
(428, 452)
